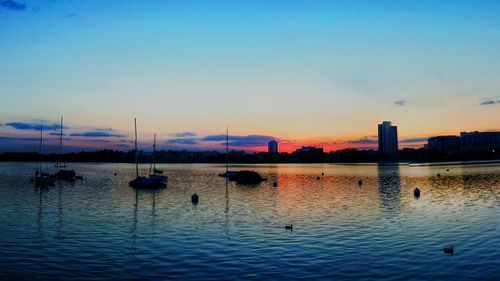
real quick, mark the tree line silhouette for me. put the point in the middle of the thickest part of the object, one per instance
(339, 156)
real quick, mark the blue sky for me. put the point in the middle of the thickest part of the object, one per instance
(305, 72)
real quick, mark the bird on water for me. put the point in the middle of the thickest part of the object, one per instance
(195, 198)
(289, 227)
(449, 251)
(416, 192)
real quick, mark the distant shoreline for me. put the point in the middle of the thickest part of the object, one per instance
(341, 157)
(405, 163)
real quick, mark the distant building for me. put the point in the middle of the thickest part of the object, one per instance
(480, 140)
(272, 146)
(309, 149)
(444, 143)
(387, 138)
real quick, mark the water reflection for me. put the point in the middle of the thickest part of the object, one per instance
(226, 210)
(152, 195)
(60, 212)
(389, 180)
(134, 224)
(39, 221)
(113, 229)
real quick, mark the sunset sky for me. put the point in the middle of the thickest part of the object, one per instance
(321, 73)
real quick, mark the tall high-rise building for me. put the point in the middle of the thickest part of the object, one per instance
(387, 138)
(272, 146)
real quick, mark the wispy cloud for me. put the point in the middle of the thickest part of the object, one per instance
(184, 135)
(183, 141)
(18, 139)
(97, 134)
(242, 141)
(364, 140)
(401, 102)
(414, 140)
(13, 5)
(104, 129)
(33, 126)
(490, 102)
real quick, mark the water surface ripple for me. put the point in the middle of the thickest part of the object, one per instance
(100, 228)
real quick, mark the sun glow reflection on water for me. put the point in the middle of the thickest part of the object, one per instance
(102, 228)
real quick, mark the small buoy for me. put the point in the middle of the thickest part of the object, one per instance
(289, 227)
(449, 251)
(195, 199)
(416, 192)
(275, 184)
(115, 174)
(318, 178)
(360, 182)
(438, 174)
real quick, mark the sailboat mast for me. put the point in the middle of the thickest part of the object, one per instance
(227, 149)
(154, 154)
(41, 149)
(60, 145)
(136, 152)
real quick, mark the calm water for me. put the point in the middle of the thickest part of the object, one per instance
(100, 228)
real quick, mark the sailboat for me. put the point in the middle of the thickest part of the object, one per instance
(157, 174)
(63, 174)
(143, 182)
(42, 179)
(241, 177)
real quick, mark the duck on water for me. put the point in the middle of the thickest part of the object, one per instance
(241, 177)
(145, 182)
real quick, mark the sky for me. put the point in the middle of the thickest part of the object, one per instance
(320, 73)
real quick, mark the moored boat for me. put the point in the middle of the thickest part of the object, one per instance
(241, 177)
(42, 179)
(143, 182)
(63, 174)
(157, 174)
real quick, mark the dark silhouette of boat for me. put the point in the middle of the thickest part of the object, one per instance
(144, 182)
(63, 174)
(43, 179)
(241, 177)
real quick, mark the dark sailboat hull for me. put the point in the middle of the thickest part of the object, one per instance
(147, 183)
(68, 175)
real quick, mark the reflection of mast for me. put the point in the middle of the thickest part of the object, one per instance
(60, 213)
(39, 217)
(153, 209)
(134, 224)
(226, 211)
